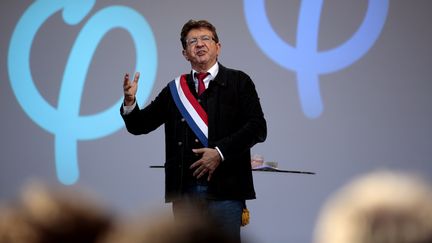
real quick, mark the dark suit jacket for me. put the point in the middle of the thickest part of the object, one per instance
(235, 122)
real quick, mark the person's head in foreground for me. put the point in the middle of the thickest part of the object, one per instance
(380, 207)
(45, 215)
(164, 229)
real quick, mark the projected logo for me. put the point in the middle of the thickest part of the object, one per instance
(64, 121)
(305, 59)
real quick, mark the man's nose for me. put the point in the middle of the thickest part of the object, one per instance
(200, 42)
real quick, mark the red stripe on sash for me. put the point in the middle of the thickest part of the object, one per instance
(194, 102)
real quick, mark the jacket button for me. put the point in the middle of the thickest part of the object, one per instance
(179, 143)
(182, 119)
(199, 100)
(196, 140)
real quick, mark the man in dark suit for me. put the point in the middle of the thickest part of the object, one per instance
(211, 123)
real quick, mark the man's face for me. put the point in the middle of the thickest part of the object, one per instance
(201, 50)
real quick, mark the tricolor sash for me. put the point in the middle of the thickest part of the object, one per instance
(189, 108)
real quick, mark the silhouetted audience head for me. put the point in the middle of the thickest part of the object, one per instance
(166, 230)
(380, 207)
(45, 215)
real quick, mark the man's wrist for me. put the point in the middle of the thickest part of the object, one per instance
(220, 154)
(127, 109)
(128, 101)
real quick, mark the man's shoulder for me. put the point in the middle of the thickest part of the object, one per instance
(231, 73)
(231, 70)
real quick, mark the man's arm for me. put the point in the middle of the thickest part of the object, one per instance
(141, 121)
(254, 128)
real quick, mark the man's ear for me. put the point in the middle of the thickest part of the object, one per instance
(185, 55)
(219, 48)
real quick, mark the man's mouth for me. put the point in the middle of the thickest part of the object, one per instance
(201, 53)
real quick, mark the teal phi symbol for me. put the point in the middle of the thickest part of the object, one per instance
(305, 59)
(64, 121)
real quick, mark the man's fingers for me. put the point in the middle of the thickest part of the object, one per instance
(195, 164)
(199, 150)
(200, 172)
(197, 171)
(137, 75)
(126, 80)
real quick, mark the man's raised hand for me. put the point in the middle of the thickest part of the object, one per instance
(130, 89)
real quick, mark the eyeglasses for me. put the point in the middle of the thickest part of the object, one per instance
(194, 41)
